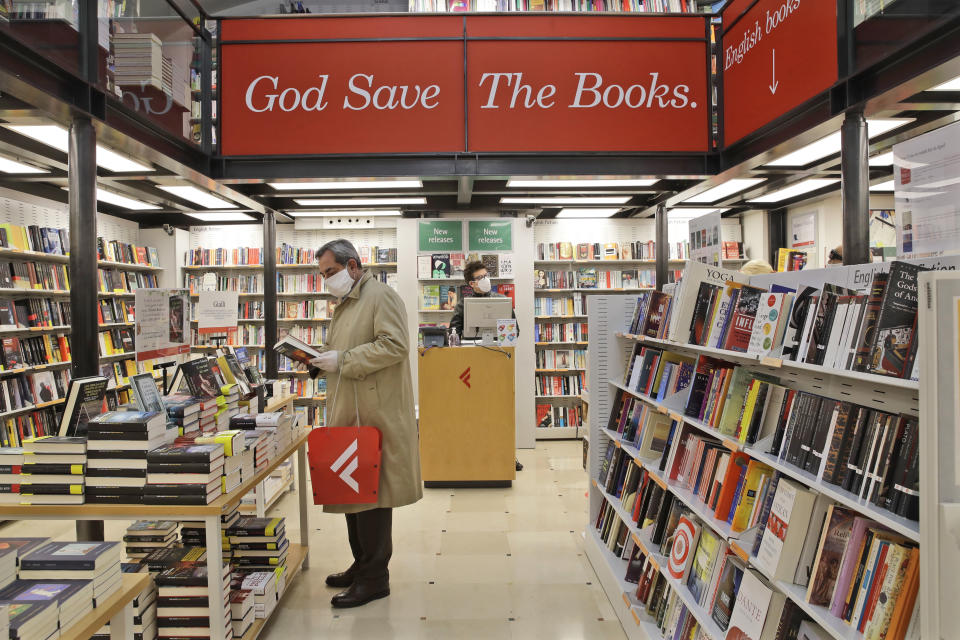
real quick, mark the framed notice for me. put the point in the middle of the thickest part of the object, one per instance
(163, 323)
(217, 311)
(803, 231)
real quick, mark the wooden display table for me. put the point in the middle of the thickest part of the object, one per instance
(467, 424)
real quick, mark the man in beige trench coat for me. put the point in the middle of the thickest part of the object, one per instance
(368, 373)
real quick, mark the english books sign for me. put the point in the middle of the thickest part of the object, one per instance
(434, 84)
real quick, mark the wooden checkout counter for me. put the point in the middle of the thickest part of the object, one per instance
(467, 425)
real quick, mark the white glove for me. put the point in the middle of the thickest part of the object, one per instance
(326, 360)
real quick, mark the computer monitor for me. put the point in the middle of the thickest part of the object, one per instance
(480, 316)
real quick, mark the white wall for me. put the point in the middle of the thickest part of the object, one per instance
(755, 228)
(830, 223)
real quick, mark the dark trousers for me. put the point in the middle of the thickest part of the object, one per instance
(371, 541)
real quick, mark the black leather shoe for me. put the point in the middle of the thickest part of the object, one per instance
(360, 594)
(340, 580)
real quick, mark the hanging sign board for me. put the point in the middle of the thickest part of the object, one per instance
(487, 235)
(397, 84)
(440, 236)
(163, 323)
(776, 54)
(217, 311)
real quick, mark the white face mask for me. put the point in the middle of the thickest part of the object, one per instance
(339, 284)
(484, 284)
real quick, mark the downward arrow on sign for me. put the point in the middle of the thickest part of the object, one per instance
(773, 87)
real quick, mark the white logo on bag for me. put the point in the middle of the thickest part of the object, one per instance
(354, 461)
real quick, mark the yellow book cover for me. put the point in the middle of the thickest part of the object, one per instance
(748, 409)
(755, 474)
(131, 367)
(231, 440)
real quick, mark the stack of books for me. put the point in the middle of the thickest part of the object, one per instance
(32, 620)
(71, 599)
(121, 440)
(4, 621)
(141, 612)
(234, 444)
(210, 414)
(231, 394)
(184, 412)
(144, 536)
(52, 463)
(195, 533)
(263, 586)
(11, 464)
(8, 566)
(184, 474)
(95, 561)
(258, 544)
(160, 560)
(138, 60)
(282, 424)
(242, 611)
(21, 547)
(260, 442)
(184, 598)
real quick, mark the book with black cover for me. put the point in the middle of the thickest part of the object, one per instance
(85, 400)
(296, 350)
(868, 326)
(71, 556)
(200, 378)
(896, 322)
(175, 453)
(742, 316)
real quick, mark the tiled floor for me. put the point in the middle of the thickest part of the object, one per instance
(467, 563)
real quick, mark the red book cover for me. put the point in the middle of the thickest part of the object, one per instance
(738, 462)
(744, 315)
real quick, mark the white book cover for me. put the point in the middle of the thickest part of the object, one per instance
(750, 609)
(506, 265)
(775, 530)
(424, 266)
(809, 321)
(686, 295)
(835, 356)
(837, 327)
(763, 338)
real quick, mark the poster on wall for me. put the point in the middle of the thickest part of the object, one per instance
(705, 240)
(491, 235)
(163, 323)
(803, 235)
(217, 311)
(436, 236)
(927, 193)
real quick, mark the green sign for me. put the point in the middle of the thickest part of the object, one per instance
(441, 235)
(487, 235)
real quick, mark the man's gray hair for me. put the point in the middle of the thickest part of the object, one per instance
(342, 250)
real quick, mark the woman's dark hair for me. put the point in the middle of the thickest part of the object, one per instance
(471, 269)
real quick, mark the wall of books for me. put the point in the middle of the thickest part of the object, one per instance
(757, 466)
(229, 258)
(35, 312)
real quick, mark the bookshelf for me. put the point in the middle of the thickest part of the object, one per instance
(612, 350)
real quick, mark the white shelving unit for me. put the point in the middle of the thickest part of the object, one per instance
(608, 355)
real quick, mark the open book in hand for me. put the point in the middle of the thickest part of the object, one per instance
(296, 350)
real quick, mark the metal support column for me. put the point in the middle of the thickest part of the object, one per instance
(855, 188)
(776, 233)
(270, 292)
(206, 90)
(663, 246)
(82, 181)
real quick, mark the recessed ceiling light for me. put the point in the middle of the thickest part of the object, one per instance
(359, 202)
(794, 190)
(123, 201)
(882, 160)
(830, 145)
(883, 186)
(724, 190)
(197, 196)
(567, 200)
(949, 85)
(219, 216)
(12, 166)
(690, 212)
(58, 138)
(587, 213)
(346, 184)
(295, 213)
(579, 182)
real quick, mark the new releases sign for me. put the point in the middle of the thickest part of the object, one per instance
(777, 54)
(398, 84)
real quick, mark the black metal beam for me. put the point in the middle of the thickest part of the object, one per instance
(270, 292)
(776, 233)
(855, 189)
(663, 246)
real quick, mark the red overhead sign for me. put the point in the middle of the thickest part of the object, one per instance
(775, 56)
(434, 84)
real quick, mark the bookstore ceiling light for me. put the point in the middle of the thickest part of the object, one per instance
(219, 216)
(798, 189)
(58, 138)
(12, 166)
(547, 200)
(689, 213)
(197, 196)
(346, 213)
(830, 145)
(725, 190)
(359, 202)
(123, 201)
(883, 186)
(949, 85)
(537, 183)
(588, 213)
(332, 185)
(882, 160)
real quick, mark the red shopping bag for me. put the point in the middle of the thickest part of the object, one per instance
(345, 464)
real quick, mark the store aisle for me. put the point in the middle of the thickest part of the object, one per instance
(468, 563)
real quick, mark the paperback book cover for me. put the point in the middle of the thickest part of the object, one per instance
(85, 400)
(896, 323)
